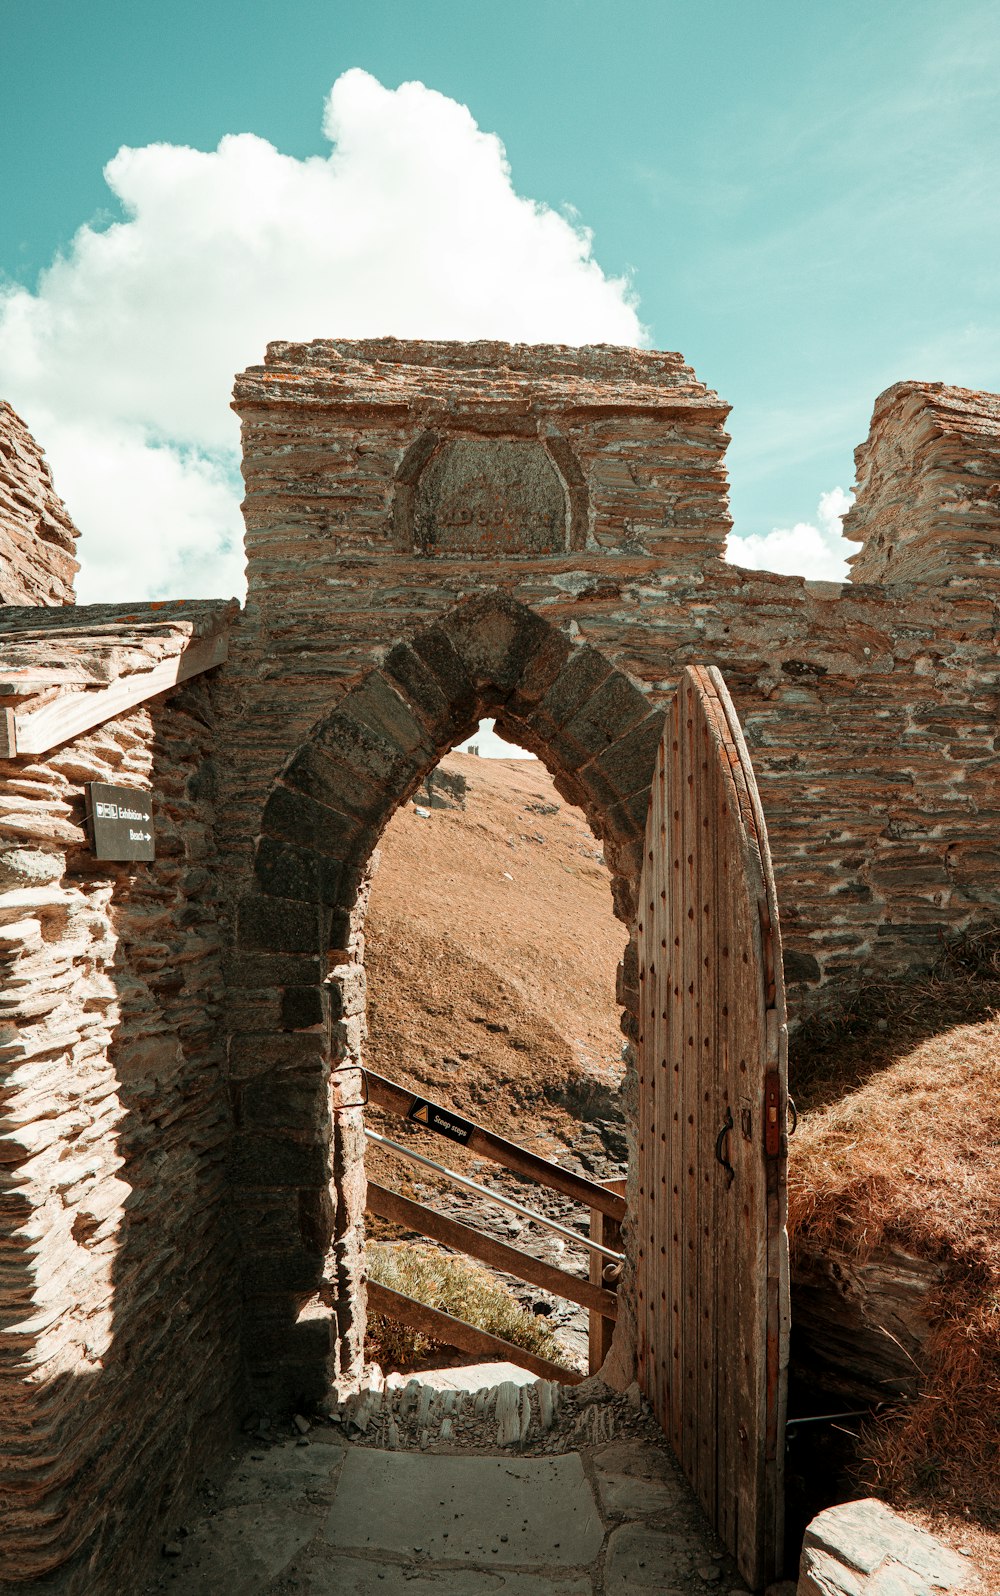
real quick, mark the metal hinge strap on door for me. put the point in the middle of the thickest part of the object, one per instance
(772, 1114)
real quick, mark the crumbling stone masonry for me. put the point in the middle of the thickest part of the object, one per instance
(435, 532)
(398, 476)
(118, 1301)
(37, 537)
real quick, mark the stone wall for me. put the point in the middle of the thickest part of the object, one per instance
(870, 710)
(118, 1290)
(928, 493)
(392, 603)
(37, 537)
(436, 533)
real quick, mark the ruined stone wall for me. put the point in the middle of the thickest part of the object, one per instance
(871, 711)
(37, 537)
(928, 488)
(393, 602)
(435, 533)
(118, 1288)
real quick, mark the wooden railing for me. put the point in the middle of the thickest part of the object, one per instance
(605, 1202)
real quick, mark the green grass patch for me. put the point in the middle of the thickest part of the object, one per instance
(454, 1286)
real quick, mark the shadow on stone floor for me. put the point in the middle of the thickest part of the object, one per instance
(331, 1512)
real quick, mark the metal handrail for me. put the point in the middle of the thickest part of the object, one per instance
(496, 1197)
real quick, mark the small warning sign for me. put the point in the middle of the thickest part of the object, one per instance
(440, 1119)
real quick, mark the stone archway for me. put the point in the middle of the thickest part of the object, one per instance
(298, 1164)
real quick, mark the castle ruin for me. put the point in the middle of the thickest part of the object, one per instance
(435, 533)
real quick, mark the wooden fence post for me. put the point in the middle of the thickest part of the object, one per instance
(607, 1232)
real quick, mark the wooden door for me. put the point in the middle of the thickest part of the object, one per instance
(712, 1251)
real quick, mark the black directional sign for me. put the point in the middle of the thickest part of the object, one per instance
(121, 822)
(442, 1120)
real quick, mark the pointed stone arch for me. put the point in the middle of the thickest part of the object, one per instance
(298, 964)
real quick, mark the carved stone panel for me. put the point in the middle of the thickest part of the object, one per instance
(490, 496)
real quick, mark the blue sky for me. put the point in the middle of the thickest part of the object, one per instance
(801, 197)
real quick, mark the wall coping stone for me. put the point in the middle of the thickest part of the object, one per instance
(863, 1548)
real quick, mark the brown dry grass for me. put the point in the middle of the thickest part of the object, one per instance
(462, 1289)
(491, 955)
(899, 1143)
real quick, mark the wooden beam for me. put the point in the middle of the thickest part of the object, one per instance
(451, 1332)
(36, 731)
(399, 1100)
(427, 1222)
(19, 681)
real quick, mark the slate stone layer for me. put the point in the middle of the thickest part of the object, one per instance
(37, 537)
(119, 1361)
(928, 494)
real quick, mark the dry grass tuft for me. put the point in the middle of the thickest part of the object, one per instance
(899, 1144)
(456, 1287)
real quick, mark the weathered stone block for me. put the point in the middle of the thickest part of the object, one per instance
(251, 971)
(289, 1099)
(268, 1161)
(317, 1210)
(348, 736)
(280, 924)
(341, 932)
(609, 712)
(305, 1008)
(268, 1221)
(285, 871)
(626, 767)
(377, 706)
(624, 824)
(294, 1353)
(420, 687)
(540, 671)
(259, 1053)
(583, 673)
(303, 818)
(346, 1037)
(322, 774)
(492, 496)
(495, 637)
(289, 1270)
(799, 966)
(862, 1538)
(439, 654)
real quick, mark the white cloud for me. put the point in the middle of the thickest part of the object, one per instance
(816, 551)
(490, 745)
(157, 520)
(122, 362)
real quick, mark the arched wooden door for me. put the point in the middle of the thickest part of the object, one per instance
(712, 1247)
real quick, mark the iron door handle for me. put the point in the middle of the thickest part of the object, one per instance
(720, 1155)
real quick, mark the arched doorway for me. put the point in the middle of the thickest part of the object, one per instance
(699, 852)
(491, 951)
(298, 1163)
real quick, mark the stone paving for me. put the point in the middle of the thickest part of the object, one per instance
(328, 1512)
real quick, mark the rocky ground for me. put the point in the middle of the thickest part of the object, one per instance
(462, 1483)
